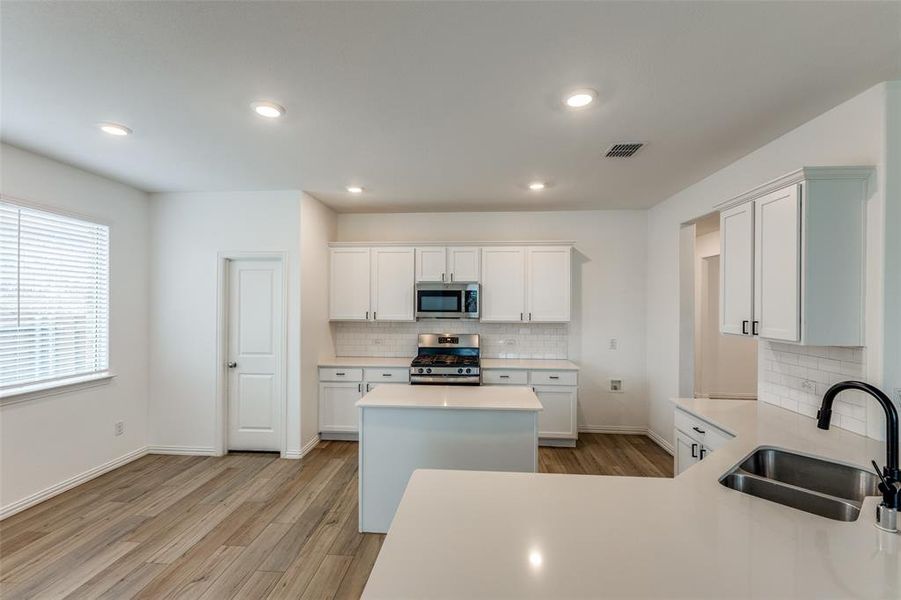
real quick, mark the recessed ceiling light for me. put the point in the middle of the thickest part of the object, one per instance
(354, 189)
(536, 186)
(270, 110)
(114, 129)
(580, 98)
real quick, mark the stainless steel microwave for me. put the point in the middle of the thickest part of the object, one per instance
(447, 300)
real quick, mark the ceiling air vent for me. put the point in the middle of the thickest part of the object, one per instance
(624, 150)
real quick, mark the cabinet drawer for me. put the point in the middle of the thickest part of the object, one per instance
(387, 375)
(700, 430)
(339, 374)
(511, 377)
(554, 378)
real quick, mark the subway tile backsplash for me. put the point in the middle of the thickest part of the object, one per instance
(498, 340)
(796, 377)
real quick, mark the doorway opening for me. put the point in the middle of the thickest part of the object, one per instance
(725, 366)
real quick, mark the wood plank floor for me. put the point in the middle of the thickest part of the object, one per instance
(241, 526)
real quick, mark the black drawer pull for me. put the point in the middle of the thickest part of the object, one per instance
(699, 430)
(694, 450)
(387, 375)
(340, 374)
(504, 376)
(553, 377)
(744, 328)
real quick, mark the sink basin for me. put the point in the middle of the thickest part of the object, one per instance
(820, 487)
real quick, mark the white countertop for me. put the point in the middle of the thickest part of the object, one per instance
(507, 397)
(487, 363)
(461, 534)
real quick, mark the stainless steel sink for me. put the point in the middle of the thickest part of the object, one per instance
(816, 486)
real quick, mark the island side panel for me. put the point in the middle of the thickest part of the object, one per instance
(394, 442)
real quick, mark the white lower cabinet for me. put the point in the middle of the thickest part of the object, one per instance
(338, 407)
(558, 392)
(694, 439)
(339, 390)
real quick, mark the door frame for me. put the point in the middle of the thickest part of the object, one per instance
(220, 444)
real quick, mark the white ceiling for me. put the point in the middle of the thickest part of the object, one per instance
(430, 106)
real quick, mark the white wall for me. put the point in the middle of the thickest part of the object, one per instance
(892, 266)
(849, 134)
(608, 289)
(318, 226)
(49, 440)
(188, 232)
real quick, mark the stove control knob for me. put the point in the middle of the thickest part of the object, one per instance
(459, 370)
(420, 370)
(428, 370)
(468, 370)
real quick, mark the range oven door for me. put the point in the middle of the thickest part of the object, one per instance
(447, 301)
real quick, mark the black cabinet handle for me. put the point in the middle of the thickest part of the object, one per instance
(387, 375)
(340, 374)
(744, 328)
(694, 450)
(754, 327)
(504, 376)
(703, 451)
(553, 377)
(699, 430)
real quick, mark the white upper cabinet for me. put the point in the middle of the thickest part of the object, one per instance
(737, 269)
(548, 286)
(463, 263)
(392, 284)
(446, 265)
(431, 264)
(503, 283)
(806, 244)
(777, 266)
(526, 283)
(349, 284)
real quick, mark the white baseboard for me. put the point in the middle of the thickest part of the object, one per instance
(308, 447)
(630, 430)
(620, 429)
(657, 439)
(54, 490)
(187, 450)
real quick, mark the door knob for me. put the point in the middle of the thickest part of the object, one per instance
(232, 365)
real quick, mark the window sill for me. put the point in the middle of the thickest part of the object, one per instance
(53, 388)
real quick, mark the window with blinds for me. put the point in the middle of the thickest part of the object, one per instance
(54, 297)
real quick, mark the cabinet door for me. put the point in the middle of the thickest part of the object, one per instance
(548, 286)
(392, 284)
(777, 264)
(431, 264)
(687, 451)
(338, 406)
(503, 283)
(558, 419)
(349, 284)
(463, 264)
(737, 269)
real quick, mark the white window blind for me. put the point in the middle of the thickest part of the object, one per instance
(54, 297)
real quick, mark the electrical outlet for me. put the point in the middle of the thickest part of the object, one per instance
(809, 386)
(120, 427)
(613, 343)
(616, 385)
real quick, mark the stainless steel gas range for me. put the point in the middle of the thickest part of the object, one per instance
(447, 359)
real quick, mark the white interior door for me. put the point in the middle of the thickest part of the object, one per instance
(548, 284)
(777, 261)
(392, 284)
(431, 264)
(737, 269)
(255, 331)
(503, 283)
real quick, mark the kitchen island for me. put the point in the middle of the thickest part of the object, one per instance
(521, 535)
(409, 427)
